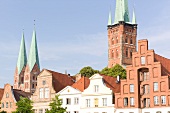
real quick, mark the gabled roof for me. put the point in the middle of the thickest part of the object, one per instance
(19, 93)
(111, 83)
(165, 64)
(1, 93)
(60, 80)
(82, 84)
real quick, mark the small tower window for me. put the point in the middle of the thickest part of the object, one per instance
(126, 52)
(117, 41)
(7, 95)
(112, 54)
(112, 41)
(117, 54)
(131, 53)
(126, 40)
(131, 41)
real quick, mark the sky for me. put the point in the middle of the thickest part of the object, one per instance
(72, 34)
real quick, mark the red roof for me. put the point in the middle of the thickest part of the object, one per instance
(60, 80)
(19, 93)
(82, 84)
(111, 83)
(1, 93)
(165, 64)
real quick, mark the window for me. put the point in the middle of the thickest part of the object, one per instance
(131, 88)
(40, 110)
(43, 82)
(112, 54)
(132, 102)
(131, 41)
(10, 104)
(2, 106)
(104, 101)
(87, 102)
(126, 52)
(156, 101)
(126, 40)
(76, 112)
(32, 85)
(163, 99)
(46, 92)
(142, 60)
(125, 101)
(146, 89)
(68, 101)
(41, 93)
(96, 102)
(131, 53)
(117, 54)
(155, 86)
(96, 88)
(76, 100)
(117, 41)
(6, 104)
(112, 41)
(146, 76)
(7, 95)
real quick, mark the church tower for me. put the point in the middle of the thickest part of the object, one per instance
(20, 68)
(121, 35)
(33, 67)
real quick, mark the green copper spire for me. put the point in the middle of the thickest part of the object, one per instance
(134, 17)
(110, 18)
(33, 55)
(122, 11)
(22, 57)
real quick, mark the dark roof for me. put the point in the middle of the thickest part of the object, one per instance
(19, 93)
(165, 64)
(111, 83)
(60, 80)
(1, 93)
(82, 84)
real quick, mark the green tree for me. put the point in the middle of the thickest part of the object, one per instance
(55, 106)
(88, 71)
(114, 71)
(24, 105)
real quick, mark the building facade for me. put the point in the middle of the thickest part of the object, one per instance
(49, 83)
(147, 87)
(122, 35)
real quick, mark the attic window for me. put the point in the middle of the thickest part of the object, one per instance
(7, 95)
(43, 82)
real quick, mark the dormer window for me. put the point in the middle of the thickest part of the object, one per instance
(7, 95)
(43, 82)
(96, 88)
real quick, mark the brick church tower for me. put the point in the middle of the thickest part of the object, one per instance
(25, 77)
(121, 35)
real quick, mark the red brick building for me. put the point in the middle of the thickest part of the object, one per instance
(147, 87)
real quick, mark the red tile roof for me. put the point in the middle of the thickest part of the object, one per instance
(165, 64)
(1, 93)
(19, 93)
(112, 84)
(60, 80)
(82, 84)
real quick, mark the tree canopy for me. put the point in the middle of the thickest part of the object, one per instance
(114, 71)
(24, 105)
(88, 71)
(55, 106)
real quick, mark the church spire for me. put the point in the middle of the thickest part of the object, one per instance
(134, 17)
(122, 11)
(33, 55)
(110, 18)
(22, 57)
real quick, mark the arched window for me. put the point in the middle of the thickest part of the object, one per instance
(112, 54)
(126, 40)
(7, 95)
(126, 52)
(117, 54)
(131, 53)
(117, 41)
(112, 41)
(2, 106)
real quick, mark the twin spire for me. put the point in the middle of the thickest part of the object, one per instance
(122, 13)
(33, 55)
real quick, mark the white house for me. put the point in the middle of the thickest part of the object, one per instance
(99, 96)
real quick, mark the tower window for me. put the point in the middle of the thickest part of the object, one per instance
(130, 53)
(126, 52)
(117, 41)
(112, 41)
(117, 54)
(131, 41)
(112, 54)
(126, 40)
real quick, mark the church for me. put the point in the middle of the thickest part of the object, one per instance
(146, 88)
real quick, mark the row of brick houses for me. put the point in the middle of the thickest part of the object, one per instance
(146, 88)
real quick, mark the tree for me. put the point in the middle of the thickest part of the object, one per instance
(88, 71)
(114, 71)
(24, 105)
(55, 106)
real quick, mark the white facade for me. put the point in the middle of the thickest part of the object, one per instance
(71, 98)
(97, 98)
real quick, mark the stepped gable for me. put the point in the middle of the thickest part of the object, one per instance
(111, 83)
(1, 93)
(19, 93)
(60, 80)
(82, 84)
(165, 64)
